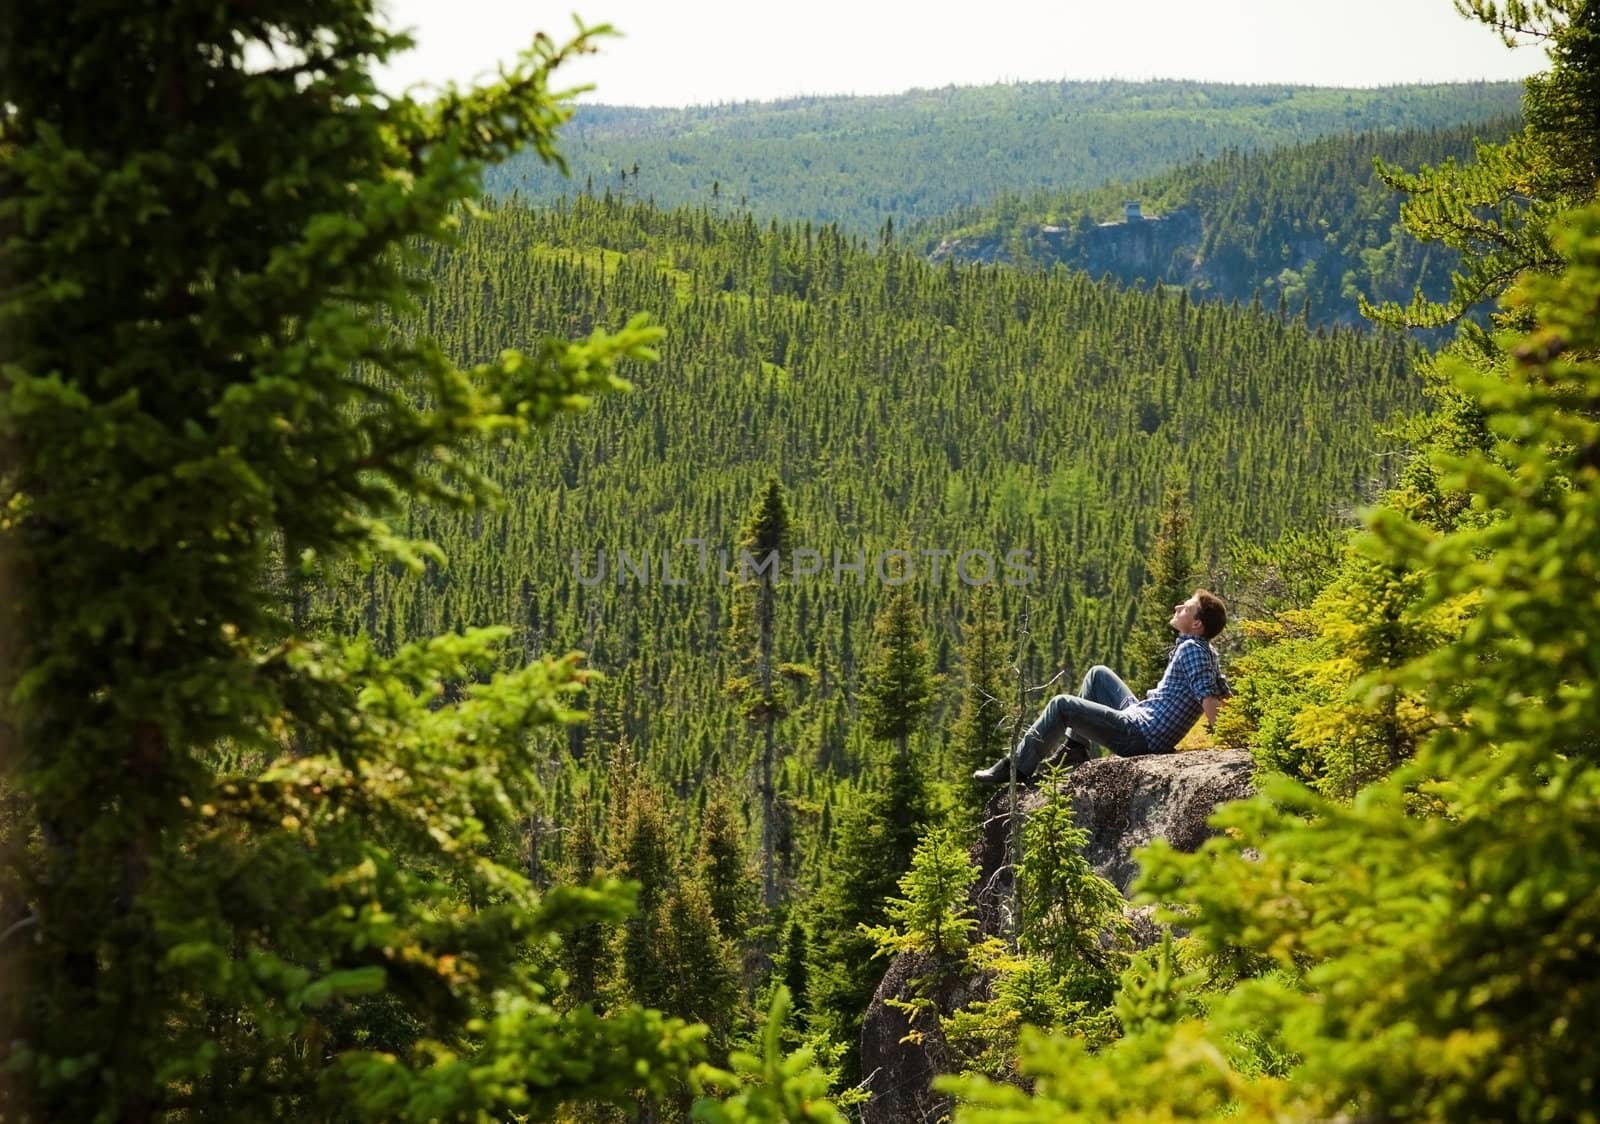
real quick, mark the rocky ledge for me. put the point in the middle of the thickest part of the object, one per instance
(1123, 803)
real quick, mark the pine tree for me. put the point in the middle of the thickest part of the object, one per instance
(725, 868)
(935, 915)
(762, 547)
(982, 731)
(246, 833)
(876, 838)
(586, 949)
(1069, 916)
(644, 856)
(899, 685)
(702, 965)
(1169, 578)
(796, 967)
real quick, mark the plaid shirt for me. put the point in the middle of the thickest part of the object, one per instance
(1193, 673)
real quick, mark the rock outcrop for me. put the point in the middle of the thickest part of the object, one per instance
(1123, 803)
(1160, 248)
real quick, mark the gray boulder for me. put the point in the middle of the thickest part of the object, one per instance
(1123, 803)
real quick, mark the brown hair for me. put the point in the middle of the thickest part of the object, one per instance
(1213, 613)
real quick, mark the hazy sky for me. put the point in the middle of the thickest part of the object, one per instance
(700, 51)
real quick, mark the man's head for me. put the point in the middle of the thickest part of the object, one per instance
(1203, 614)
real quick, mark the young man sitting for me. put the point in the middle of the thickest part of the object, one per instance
(1106, 712)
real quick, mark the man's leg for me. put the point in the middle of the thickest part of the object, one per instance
(1084, 718)
(1104, 686)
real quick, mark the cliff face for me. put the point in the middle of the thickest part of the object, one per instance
(1161, 248)
(1165, 250)
(1123, 803)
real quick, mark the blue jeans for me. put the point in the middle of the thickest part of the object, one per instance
(1094, 714)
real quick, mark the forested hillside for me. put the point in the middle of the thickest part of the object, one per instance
(1009, 430)
(860, 162)
(1308, 225)
(903, 406)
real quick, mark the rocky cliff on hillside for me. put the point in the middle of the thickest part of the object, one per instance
(1123, 803)
(1161, 250)
(1159, 247)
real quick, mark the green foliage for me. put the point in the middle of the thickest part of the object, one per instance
(585, 949)
(759, 568)
(1273, 687)
(1153, 992)
(1266, 580)
(702, 964)
(241, 830)
(762, 696)
(1072, 942)
(769, 1088)
(644, 855)
(1318, 699)
(877, 837)
(1355, 725)
(1069, 916)
(934, 917)
(724, 865)
(1498, 210)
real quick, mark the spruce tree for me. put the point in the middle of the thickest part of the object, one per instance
(247, 845)
(935, 916)
(982, 730)
(702, 964)
(644, 856)
(875, 839)
(899, 684)
(586, 949)
(761, 695)
(725, 868)
(1169, 578)
(1069, 916)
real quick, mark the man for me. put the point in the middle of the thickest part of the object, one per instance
(1106, 712)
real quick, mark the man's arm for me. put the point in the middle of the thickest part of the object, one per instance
(1211, 704)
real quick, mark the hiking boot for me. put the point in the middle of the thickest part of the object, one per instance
(1000, 772)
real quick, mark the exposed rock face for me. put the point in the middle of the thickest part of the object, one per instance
(1123, 803)
(1162, 248)
(900, 1074)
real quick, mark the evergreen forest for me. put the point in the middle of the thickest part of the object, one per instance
(485, 646)
(862, 162)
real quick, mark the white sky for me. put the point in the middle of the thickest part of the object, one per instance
(706, 51)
